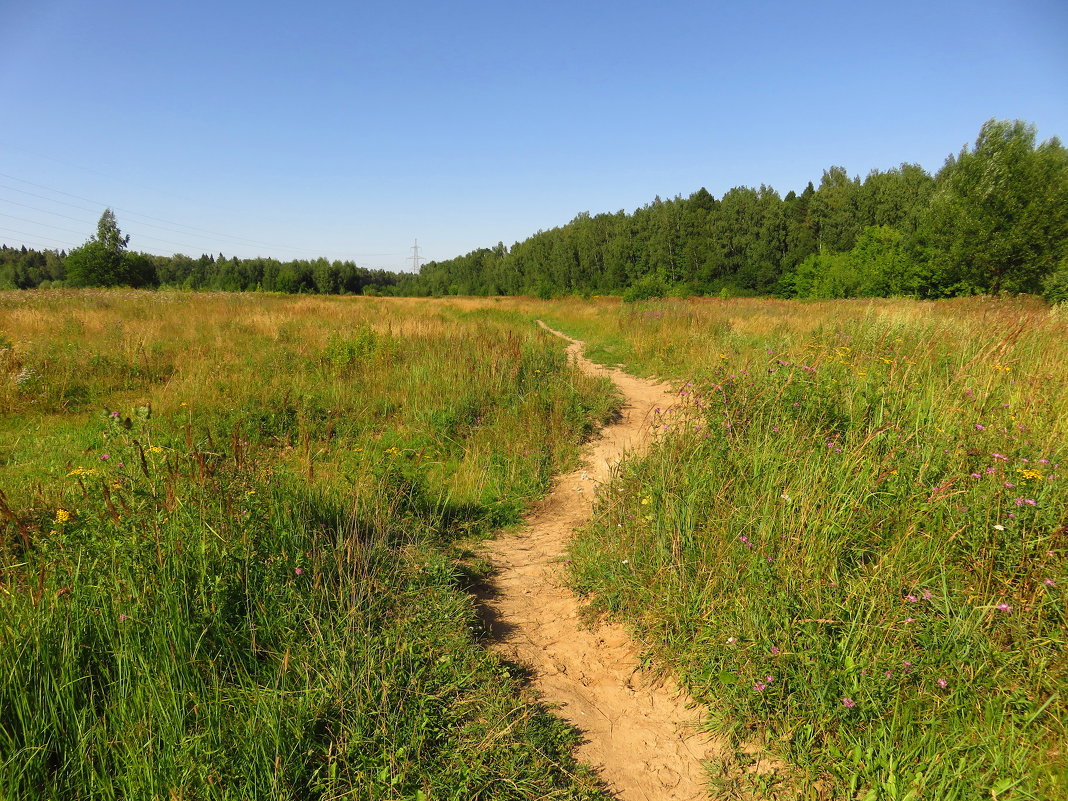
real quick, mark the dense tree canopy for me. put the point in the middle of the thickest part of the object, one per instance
(993, 219)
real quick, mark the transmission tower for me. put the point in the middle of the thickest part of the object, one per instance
(415, 258)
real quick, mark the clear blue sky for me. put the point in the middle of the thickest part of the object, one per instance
(347, 129)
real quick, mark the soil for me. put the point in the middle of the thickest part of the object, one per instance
(640, 731)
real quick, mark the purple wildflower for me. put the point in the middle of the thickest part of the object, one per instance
(848, 702)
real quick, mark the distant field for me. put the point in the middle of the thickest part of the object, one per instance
(852, 532)
(231, 561)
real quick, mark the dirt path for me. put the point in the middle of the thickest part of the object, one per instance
(640, 734)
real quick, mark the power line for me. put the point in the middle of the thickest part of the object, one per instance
(38, 236)
(225, 239)
(415, 258)
(129, 212)
(35, 222)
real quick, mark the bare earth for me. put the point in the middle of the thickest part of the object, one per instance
(640, 734)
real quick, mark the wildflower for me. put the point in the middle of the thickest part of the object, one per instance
(910, 620)
(912, 599)
(123, 618)
(104, 457)
(732, 640)
(927, 595)
(943, 683)
(990, 470)
(1009, 485)
(1049, 582)
(848, 702)
(1004, 607)
(976, 475)
(760, 686)
(999, 527)
(62, 516)
(980, 427)
(775, 650)
(299, 571)
(1000, 457)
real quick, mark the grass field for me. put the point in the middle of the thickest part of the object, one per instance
(851, 534)
(235, 540)
(233, 554)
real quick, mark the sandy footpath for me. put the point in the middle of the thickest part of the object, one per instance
(640, 734)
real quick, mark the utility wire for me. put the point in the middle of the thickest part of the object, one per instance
(223, 238)
(38, 236)
(129, 212)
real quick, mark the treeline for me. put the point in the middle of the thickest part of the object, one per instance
(993, 219)
(105, 261)
(23, 268)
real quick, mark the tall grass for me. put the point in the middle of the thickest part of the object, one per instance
(232, 558)
(851, 534)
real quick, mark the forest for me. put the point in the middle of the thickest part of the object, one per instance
(992, 220)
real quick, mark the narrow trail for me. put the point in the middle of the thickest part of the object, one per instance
(640, 734)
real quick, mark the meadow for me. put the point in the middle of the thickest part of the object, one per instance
(238, 535)
(850, 537)
(235, 557)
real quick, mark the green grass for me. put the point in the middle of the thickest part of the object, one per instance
(850, 535)
(233, 559)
